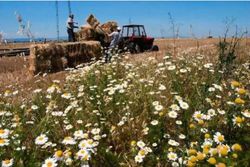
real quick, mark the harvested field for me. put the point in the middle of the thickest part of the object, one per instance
(14, 70)
(133, 106)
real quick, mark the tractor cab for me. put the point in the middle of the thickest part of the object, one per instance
(134, 37)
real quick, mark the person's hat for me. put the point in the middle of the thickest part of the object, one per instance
(118, 28)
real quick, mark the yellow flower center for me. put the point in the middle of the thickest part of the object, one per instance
(85, 158)
(207, 135)
(192, 151)
(235, 83)
(192, 126)
(59, 153)
(83, 145)
(214, 152)
(7, 161)
(90, 141)
(239, 101)
(40, 138)
(161, 114)
(49, 164)
(224, 151)
(2, 131)
(220, 165)
(198, 116)
(242, 91)
(200, 122)
(133, 143)
(193, 159)
(142, 152)
(237, 147)
(190, 164)
(235, 155)
(2, 141)
(221, 138)
(200, 156)
(239, 120)
(212, 161)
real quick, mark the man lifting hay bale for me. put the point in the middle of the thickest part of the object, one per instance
(95, 31)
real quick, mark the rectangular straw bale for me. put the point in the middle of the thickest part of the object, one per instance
(58, 56)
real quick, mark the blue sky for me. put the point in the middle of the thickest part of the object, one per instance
(203, 16)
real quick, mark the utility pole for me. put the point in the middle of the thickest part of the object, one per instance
(69, 6)
(57, 21)
(129, 21)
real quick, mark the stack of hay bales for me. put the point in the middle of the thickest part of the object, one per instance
(56, 57)
(94, 31)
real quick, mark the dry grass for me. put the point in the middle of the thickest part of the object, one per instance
(14, 73)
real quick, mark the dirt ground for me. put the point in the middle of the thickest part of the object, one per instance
(14, 73)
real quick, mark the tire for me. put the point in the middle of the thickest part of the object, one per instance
(155, 48)
(137, 48)
(131, 47)
(134, 48)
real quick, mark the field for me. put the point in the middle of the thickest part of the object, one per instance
(186, 105)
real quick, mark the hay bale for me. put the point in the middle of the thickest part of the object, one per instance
(94, 31)
(57, 56)
(93, 22)
(109, 26)
(86, 33)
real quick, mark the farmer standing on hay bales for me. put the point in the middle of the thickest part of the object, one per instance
(70, 28)
(115, 39)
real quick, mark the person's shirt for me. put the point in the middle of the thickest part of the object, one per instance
(114, 39)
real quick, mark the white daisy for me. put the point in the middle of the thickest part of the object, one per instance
(222, 112)
(172, 156)
(175, 107)
(78, 134)
(211, 112)
(66, 95)
(138, 159)
(141, 144)
(84, 144)
(50, 162)
(158, 107)
(69, 141)
(83, 154)
(7, 162)
(219, 138)
(95, 131)
(162, 87)
(172, 67)
(183, 105)
(154, 122)
(172, 114)
(246, 113)
(173, 143)
(42, 139)
(4, 133)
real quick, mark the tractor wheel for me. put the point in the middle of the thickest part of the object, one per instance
(137, 48)
(131, 47)
(155, 48)
(134, 48)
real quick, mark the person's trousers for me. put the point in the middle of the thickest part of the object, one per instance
(71, 35)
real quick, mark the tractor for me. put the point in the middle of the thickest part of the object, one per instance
(134, 38)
